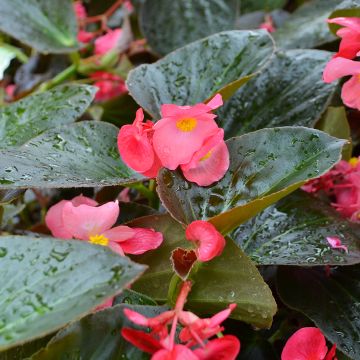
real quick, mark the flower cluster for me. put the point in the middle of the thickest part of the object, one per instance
(308, 344)
(194, 335)
(343, 64)
(81, 218)
(342, 185)
(186, 137)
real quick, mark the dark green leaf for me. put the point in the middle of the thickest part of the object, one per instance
(172, 24)
(77, 155)
(190, 75)
(47, 282)
(265, 166)
(133, 297)
(97, 336)
(47, 26)
(229, 278)
(132, 210)
(247, 6)
(294, 231)
(23, 120)
(331, 301)
(307, 28)
(290, 91)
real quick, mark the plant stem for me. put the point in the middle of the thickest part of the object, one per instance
(59, 78)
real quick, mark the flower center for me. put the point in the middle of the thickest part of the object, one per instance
(186, 124)
(99, 240)
(353, 161)
(206, 156)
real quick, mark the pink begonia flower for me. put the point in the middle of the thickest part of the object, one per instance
(109, 85)
(210, 163)
(80, 11)
(209, 241)
(306, 344)
(85, 36)
(182, 131)
(350, 36)
(195, 333)
(335, 243)
(339, 67)
(107, 42)
(135, 146)
(268, 24)
(82, 219)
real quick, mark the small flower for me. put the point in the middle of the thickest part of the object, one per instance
(209, 241)
(82, 219)
(107, 42)
(85, 36)
(109, 85)
(80, 11)
(226, 348)
(307, 344)
(268, 24)
(335, 243)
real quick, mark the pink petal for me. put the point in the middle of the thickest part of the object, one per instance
(331, 354)
(107, 42)
(221, 316)
(179, 352)
(142, 241)
(54, 220)
(80, 10)
(224, 348)
(306, 343)
(350, 22)
(85, 36)
(136, 317)
(172, 110)
(83, 200)
(350, 92)
(84, 221)
(215, 102)
(156, 166)
(211, 243)
(141, 340)
(336, 243)
(119, 233)
(350, 43)
(339, 67)
(209, 169)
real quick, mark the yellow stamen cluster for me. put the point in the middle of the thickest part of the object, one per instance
(99, 240)
(206, 156)
(186, 124)
(353, 161)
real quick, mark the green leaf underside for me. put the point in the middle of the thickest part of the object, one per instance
(47, 26)
(172, 24)
(229, 278)
(81, 339)
(294, 231)
(190, 75)
(46, 283)
(306, 27)
(290, 91)
(27, 118)
(332, 302)
(265, 166)
(77, 155)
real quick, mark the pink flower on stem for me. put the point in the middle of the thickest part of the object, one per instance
(183, 130)
(307, 344)
(80, 11)
(85, 36)
(82, 219)
(109, 85)
(135, 146)
(335, 243)
(350, 36)
(210, 243)
(195, 333)
(268, 24)
(107, 42)
(339, 67)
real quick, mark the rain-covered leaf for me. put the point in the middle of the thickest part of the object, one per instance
(229, 278)
(97, 336)
(23, 120)
(47, 282)
(332, 301)
(265, 166)
(172, 24)
(129, 296)
(294, 231)
(247, 6)
(47, 26)
(347, 8)
(290, 91)
(77, 155)
(190, 75)
(306, 28)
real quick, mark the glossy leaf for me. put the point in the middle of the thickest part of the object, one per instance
(331, 301)
(172, 24)
(265, 166)
(47, 26)
(229, 278)
(294, 231)
(290, 91)
(247, 6)
(307, 28)
(47, 282)
(77, 155)
(190, 75)
(97, 336)
(23, 120)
